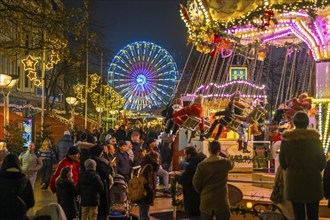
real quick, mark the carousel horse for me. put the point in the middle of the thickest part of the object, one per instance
(301, 103)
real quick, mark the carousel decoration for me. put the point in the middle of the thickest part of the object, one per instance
(268, 22)
(144, 74)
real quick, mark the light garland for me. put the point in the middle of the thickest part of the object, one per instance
(326, 128)
(239, 82)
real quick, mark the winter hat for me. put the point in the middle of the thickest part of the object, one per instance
(73, 150)
(151, 140)
(198, 99)
(90, 164)
(96, 150)
(67, 132)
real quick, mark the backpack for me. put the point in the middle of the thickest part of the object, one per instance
(136, 190)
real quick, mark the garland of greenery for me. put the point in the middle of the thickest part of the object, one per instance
(249, 159)
(218, 28)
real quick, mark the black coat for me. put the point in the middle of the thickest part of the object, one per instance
(104, 171)
(326, 182)
(123, 163)
(120, 135)
(13, 184)
(65, 193)
(190, 196)
(89, 187)
(150, 174)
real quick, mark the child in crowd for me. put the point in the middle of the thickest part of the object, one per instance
(66, 192)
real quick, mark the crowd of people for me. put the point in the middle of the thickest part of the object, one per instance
(85, 169)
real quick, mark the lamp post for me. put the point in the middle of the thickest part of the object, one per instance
(99, 110)
(7, 82)
(72, 101)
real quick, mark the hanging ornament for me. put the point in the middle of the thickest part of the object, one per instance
(29, 63)
(266, 18)
(289, 51)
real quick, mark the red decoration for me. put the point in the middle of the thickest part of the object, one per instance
(221, 46)
(266, 17)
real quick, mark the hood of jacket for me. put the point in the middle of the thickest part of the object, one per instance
(301, 134)
(13, 180)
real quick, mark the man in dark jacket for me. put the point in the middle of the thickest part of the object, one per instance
(326, 182)
(190, 196)
(103, 169)
(124, 164)
(121, 133)
(89, 188)
(63, 145)
(302, 157)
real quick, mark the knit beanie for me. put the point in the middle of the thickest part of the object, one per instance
(73, 150)
(90, 164)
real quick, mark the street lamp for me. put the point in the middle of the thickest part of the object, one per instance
(72, 101)
(99, 110)
(7, 82)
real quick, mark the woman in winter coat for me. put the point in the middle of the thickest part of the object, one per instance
(16, 194)
(48, 157)
(66, 193)
(303, 159)
(151, 164)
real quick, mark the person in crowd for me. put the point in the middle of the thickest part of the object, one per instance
(151, 161)
(96, 134)
(210, 182)
(195, 109)
(143, 141)
(152, 146)
(112, 158)
(103, 169)
(326, 182)
(86, 142)
(48, 156)
(63, 145)
(3, 152)
(113, 141)
(135, 139)
(124, 164)
(138, 159)
(16, 193)
(303, 159)
(109, 134)
(71, 160)
(31, 163)
(66, 192)
(276, 143)
(121, 133)
(166, 150)
(129, 150)
(191, 198)
(89, 187)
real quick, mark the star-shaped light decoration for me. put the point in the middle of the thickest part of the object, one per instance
(29, 63)
(95, 78)
(37, 82)
(49, 66)
(78, 88)
(289, 51)
(32, 75)
(54, 57)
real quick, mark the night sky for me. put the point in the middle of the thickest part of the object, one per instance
(127, 21)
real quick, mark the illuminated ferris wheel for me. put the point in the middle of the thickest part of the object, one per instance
(144, 74)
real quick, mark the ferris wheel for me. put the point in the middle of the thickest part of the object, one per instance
(144, 74)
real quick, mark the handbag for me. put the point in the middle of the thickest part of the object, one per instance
(277, 193)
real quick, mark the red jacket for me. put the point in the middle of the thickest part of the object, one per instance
(66, 162)
(194, 109)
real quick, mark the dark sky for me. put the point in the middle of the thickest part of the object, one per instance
(127, 21)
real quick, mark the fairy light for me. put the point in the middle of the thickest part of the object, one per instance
(326, 127)
(228, 84)
(320, 119)
(321, 101)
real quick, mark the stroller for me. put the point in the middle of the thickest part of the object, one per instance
(118, 194)
(268, 211)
